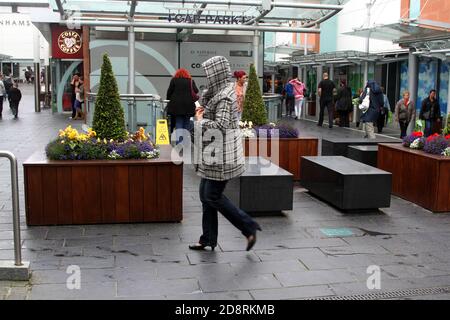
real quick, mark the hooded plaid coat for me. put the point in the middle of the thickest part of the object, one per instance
(220, 158)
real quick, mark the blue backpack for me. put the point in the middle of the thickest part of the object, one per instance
(289, 90)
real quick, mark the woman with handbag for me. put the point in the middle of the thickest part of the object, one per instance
(182, 93)
(372, 101)
(404, 113)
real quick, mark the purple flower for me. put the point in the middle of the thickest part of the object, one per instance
(284, 131)
(436, 145)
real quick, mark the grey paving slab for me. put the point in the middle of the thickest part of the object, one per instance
(315, 277)
(156, 287)
(61, 276)
(231, 295)
(92, 290)
(267, 267)
(163, 271)
(288, 254)
(221, 257)
(292, 293)
(231, 282)
(94, 262)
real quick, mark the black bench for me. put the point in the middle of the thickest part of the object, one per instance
(364, 154)
(345, 183)
(264, 187)
(339, 146)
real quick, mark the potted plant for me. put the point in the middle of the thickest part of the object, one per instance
(103, 175)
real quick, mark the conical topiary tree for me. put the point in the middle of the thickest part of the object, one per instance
(254, 108)
(109, 119)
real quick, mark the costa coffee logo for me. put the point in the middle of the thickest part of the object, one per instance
(69, 42)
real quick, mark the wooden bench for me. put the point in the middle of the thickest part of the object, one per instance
(345, 183)
(264, 187)
(364, 154)
(339, 146)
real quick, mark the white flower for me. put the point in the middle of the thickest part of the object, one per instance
(248, 132)
(415, 144)
(446, 152)
(114, 155)
(250, 124)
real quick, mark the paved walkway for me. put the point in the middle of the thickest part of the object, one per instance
(293, 258)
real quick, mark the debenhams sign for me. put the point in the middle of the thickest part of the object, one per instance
(14, 21)
(208, 19)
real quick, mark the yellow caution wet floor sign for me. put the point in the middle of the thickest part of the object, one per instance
(162, 132)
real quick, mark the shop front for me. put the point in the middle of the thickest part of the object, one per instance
(67, 60)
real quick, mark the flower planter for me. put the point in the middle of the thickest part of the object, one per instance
(417, 176)
(290, 152)
(103, 191)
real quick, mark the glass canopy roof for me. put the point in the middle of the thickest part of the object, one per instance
(281, 12)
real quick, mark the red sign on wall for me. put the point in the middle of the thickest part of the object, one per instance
(66, 43)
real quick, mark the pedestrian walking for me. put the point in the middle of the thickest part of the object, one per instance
(404, 112)
(371, 102)
(2, 94)
(430, 112)
(182, 93)
(226, 161)
(14, 98)
(325, 90)
(290, 98)
(79, 100)
(299, 94)
(384, 112)
(344, 104)
(240, 89)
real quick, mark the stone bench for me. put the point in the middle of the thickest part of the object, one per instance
(339, 146)
(364, 154)
(263, 187)
(346, 184)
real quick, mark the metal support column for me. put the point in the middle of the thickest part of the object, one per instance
(272, 89)
(256, 50)
(331, 75)
(448, 102)
(37, 87)
(319, 78)
(412, 84)
(305, 99)
(132, 112)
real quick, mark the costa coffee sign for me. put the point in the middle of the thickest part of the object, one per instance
(69, 42)
(66, 43)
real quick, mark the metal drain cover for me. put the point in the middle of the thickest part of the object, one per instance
(390, 294)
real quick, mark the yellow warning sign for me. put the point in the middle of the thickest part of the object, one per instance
(162, 132)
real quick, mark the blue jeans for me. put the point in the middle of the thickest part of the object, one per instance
(182, 122)
(428, 127)
(213, 200)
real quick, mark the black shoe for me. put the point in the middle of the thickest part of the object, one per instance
(251, 240)
(199, 246)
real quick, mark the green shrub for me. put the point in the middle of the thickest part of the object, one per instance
(254, 108)
(109, 119)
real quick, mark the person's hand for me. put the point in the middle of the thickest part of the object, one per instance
(438, 119)
(199, 113)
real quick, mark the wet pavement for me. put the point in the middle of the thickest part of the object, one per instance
(309, 252)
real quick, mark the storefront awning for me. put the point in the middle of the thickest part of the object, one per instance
(400, 32)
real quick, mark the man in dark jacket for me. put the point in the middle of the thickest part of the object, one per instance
(376, 104)
(430, 112)
(14, 98)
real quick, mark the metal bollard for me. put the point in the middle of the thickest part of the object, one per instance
(20, 271)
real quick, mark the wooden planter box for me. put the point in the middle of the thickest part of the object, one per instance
(290, 152)
(417, 176)
(102, 191)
